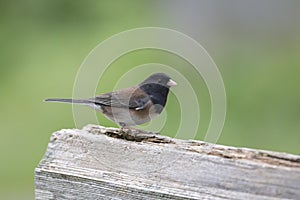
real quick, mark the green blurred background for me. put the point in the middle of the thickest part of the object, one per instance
(255, 44)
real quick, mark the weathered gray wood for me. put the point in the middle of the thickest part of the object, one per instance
(88, 164)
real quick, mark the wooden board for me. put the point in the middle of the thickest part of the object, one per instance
(89, 164)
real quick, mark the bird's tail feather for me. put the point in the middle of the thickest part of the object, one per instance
(75, 101)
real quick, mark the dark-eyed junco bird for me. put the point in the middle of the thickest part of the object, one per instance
(131, 106)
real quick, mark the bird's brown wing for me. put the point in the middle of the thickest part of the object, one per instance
(133, 98)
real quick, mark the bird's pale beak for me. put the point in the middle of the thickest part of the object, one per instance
(171, 83)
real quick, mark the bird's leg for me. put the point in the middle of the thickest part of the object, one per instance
(123, 125)
(127, 129)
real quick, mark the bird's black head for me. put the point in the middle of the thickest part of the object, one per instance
(160, 79)
(157, 86)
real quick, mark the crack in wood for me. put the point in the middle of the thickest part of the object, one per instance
(129, 134)
(137, 135)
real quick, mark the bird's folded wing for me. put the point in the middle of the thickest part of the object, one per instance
(126, 99)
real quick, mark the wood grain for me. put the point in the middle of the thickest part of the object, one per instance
(101, 163)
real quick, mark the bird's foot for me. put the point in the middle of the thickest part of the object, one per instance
(131, 134)
(135, 131)
(135, 134)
